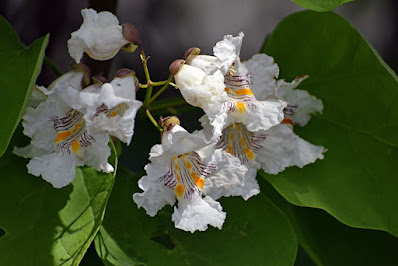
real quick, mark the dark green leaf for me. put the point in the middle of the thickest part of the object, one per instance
(20, 67)
(329, 242)
(320, 5)
(44, 225)
(357, 181)
(256, 232)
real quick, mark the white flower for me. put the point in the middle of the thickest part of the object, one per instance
(112, 107)
(264, 73)
(60, 141)
(184, 166)
(278, 147)
(229, 99)
(100, 36)
(273, 150)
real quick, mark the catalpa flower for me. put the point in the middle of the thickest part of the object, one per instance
(228, 99)
(111, 107)
(183, 167)
(60, 141)
(264, 72)
(100, 36)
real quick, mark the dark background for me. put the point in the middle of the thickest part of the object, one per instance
(168, 28)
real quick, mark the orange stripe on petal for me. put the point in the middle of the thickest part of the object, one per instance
(241, 107)
(245, 91)
(180, 190)
(62, 135)
(75, 146)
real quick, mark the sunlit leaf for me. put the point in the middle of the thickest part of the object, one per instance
(256, 232)
(20, 67)
(357, 181)
(44, 225)
(320, 5)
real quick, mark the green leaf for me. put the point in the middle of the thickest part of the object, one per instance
(357, 180)
(329, 242)
(320, 5)
(20, 67)
(44, 225)
(256, 232)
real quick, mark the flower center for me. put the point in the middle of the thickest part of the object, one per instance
(71, 132)
(240, 142)
(187, 175)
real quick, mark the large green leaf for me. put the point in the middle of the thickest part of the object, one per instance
(44, 225)
(357, 181)
(256, 232)
(329, 242)
(20, 67)
(321, 5)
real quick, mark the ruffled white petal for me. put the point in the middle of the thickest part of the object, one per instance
(230, 175)
(96, 154)
(306, 153)
(249, 188)
(55, 168)
(72, 78)
(282, 148)
(100, 36)
(197, 214)
(263, 71)
(258, 115)
(304, 104)
(228, 51)
(37, 96)
(155, 195)
(30, 151)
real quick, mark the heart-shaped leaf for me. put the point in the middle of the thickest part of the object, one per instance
(320, 5)
(20, 67)
(357, 181)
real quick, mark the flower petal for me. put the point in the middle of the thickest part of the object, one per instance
(282, 148)
(55, 168)
(228, 51)
(301, 103)
(197, 214)
(263, 71)
(100, 36)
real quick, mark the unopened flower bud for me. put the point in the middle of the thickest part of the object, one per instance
(191, 51)
(176, 65)
(130, 33)
(100, 79)
(167, 123)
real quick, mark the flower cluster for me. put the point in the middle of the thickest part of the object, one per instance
(248, 123)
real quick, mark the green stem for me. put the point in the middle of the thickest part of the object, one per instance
(153, 120)
(153, 83)
(144, 60)
(53, 67)
(162, 89)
